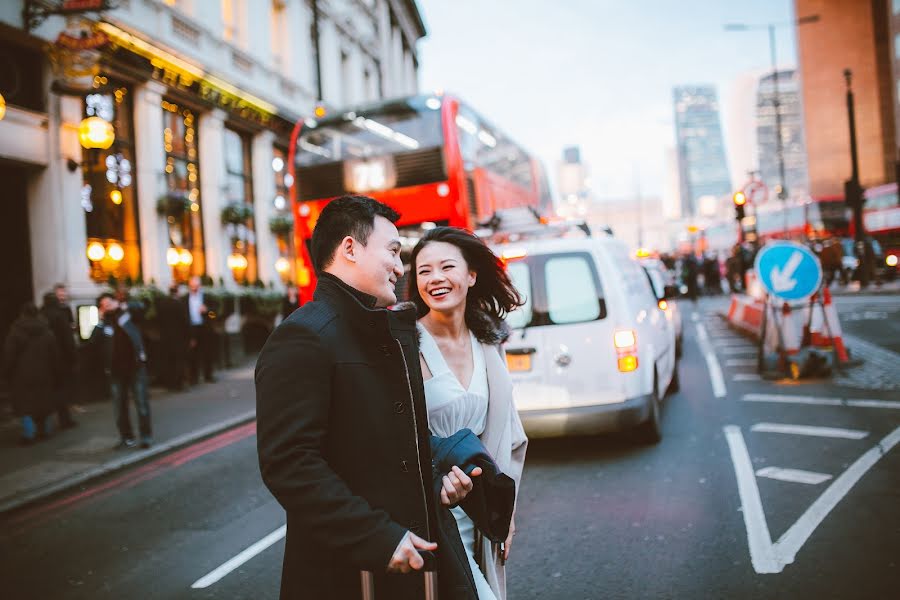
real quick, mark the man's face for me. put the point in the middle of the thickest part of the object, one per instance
(194, 284)
(107, 306)
(62, 295)
(378, 265)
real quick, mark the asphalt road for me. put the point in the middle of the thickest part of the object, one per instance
(697, 516)
(874, 318)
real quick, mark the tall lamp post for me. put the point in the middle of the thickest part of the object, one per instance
(853, 191)
(776, 98)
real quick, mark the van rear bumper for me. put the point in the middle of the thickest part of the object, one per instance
(586, 420)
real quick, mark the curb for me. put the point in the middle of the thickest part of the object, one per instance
(126, 461)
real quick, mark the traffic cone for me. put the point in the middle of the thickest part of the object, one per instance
(834, 328)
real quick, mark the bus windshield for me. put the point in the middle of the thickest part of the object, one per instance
(392, 128)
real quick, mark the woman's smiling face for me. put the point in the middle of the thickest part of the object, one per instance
(443, 277)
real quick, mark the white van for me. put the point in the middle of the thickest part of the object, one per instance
(590, 351)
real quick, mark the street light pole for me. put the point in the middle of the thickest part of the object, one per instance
(779, 143)
(853, 189)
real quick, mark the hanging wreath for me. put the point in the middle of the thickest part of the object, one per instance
(236, 213)
(281, 224)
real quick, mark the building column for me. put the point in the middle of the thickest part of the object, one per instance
(149, 154)
(56, 219)
(263, 194)
(216, 246)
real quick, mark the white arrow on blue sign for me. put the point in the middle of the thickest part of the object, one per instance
(788, 270)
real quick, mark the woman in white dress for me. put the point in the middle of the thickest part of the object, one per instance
(462, 293)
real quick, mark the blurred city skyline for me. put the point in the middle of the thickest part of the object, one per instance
(599, 75)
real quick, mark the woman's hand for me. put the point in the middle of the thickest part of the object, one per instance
(457, 485)
(509, 539)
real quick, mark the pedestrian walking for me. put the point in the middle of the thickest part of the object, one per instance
(462, 292)
(119, 346)
(342, 430)
(31, 366)
(174, 335)
(291, 301)
(201, 348)
(59, 319)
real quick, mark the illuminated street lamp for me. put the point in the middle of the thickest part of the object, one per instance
(96, 251)
(95, 133)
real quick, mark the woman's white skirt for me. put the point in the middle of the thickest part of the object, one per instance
(467, 533)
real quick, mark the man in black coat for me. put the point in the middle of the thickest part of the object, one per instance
(342, 427)
(174, 332)
(200, 311)
(59, 318)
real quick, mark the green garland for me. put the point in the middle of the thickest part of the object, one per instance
(236, 213)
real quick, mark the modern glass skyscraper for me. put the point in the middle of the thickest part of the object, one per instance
(794, 149)
(702, 168)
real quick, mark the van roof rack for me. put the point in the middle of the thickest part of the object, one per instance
(524, 222)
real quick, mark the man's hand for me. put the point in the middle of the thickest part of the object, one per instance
(406, 557)
(457, 485)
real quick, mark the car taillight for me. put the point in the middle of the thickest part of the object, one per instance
(624, 339)
(626, 350)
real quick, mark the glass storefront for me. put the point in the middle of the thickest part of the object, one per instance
(108, 194)
(237, 215)
(180, 203)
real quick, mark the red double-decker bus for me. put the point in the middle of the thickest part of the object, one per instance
(807, 220)
(881, 218)
(430, 157)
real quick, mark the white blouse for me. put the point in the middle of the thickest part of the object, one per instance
(450, 406)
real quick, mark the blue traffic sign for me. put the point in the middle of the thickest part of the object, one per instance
(788, 270)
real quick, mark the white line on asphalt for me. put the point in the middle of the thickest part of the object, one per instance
(740, 362)
(831, 432)
(790, 543)
(746, 377)
(233, 563)
(734, 343)
(785, 399)
(793, 475)
(712, 364)
(759, 540)
(772, 558)
(737, 350)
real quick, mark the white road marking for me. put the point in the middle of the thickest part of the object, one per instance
(233, 563)
(746, 377)
(740, 362)
(712, 363)
(695, 317)
(772, 558)
(786, 399)
(793, 475)
(734, 343)
(737, 350)
(759, 540)
(831, 432)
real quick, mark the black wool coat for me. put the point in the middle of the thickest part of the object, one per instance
(343, 445)
(31, 364)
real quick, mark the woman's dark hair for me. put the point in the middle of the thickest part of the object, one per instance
(488, 301)
(347, 215)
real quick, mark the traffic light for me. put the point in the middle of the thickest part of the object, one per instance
(740, 199)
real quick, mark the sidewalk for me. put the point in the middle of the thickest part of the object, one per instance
(853, 289)
(71, 457)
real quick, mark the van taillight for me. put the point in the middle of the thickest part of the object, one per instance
(626, 350)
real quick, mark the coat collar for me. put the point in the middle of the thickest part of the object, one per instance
(360, 309)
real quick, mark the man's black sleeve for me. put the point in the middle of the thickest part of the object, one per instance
(293, 398)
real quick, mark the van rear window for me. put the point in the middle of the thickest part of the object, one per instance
(558, 289)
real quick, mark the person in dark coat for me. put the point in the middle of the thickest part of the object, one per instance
(31, 366)
(200, 311)
(291, 301)
(342, 431)
(119, 346)
(174, 332)
(60, 321)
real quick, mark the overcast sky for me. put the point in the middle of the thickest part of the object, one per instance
(594, 73)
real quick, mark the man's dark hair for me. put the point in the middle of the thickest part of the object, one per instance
(104, 295)
(58, 286)
(29, 309)
(347, 215)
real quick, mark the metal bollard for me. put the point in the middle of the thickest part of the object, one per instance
(367, 578)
